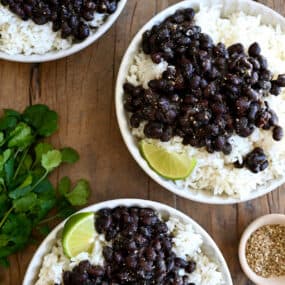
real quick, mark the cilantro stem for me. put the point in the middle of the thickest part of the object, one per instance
(6, 216)
(48, 219)
(40, 180)
(20, 163)
(4, 186)
(16, 153)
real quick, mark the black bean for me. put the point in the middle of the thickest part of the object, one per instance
(135, 120)
(191, 266)
(281, 80)
(195, 81)
(154, 130)
(83, 31)
(256, 160)
(179, 262)
(236, 48)
(251, 94)
(227, 149)
(131, 261)
(254, 50)
(266, 75)
(96, 271)
(253, 110)
(275, 89)
(265, 85)
(156, 57)
(255, 63)
(273, 121)
(278, 133)
(108, 253)
(220, 143)
(263, 61)
(242, 106)
(254, 78)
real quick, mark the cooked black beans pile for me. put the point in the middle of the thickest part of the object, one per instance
(208, 93)
(69, 16)
(141, 252)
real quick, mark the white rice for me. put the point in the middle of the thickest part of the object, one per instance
(187, 244)
(26, 37)
(215, 173)
(56, 262)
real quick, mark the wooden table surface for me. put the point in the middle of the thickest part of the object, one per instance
(81, 89)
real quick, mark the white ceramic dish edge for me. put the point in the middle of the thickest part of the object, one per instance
(269, 16)
(210, 246)
(74, 48)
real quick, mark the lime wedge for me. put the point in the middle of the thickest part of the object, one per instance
(78, 234)
(171, 165)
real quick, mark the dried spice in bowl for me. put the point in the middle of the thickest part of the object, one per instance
(265, 251)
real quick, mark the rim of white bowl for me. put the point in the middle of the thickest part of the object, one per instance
(209, 243)
(111, 19)
(269, 16)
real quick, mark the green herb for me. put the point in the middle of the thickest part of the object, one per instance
(80, 193)
(27, 197)
(69, 155)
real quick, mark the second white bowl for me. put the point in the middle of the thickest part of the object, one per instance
(209, 246)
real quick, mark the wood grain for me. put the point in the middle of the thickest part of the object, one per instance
(81, 89)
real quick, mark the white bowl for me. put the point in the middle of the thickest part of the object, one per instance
(229, 6)
(209, 246)
(74, 48)
(255, 225)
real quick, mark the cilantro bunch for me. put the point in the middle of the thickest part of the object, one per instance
(26, 194)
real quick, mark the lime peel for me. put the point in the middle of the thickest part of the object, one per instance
(78, 234)
(170, 165)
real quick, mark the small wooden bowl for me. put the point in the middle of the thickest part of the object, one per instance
(262, 221)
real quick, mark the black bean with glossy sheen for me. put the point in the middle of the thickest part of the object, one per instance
(278, 133)
(69, 16)
(256, 160)
(140, 252)
(219, 91)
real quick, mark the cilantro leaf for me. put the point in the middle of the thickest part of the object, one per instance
(45, 202)
(64, 208)
(12, 113)
(69, 155)
(18, 227)
(4, 203)
(25, 203)
(4, 157)
(9, 170)
(44, 187)
(4, 240)
(40, 150)
(23, 189)
(4, 262)
(7, 122)
(51, 160)
(21, 136)
(50, 125)
(19, 192)
(80, 193)
(2, 139)
(42, 119)
(64, 186)
(28, 161)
